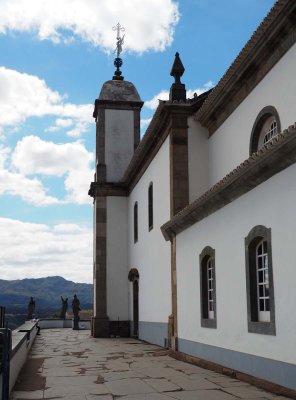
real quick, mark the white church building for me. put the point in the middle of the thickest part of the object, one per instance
(195, 224)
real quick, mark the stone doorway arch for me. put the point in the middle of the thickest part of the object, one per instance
(133, 277)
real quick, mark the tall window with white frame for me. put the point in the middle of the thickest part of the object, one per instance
(136, 222)
(259, 281)
(263, 301)
(150, 206)
(208, 288)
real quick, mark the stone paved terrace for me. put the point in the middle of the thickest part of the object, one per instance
(67, 364)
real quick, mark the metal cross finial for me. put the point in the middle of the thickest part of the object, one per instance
(120, 40)
(118, 61)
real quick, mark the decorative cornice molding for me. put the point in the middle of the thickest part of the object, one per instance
(272, 39)
(272, 158)
(157, 131)
(98, 189)
(116, 105)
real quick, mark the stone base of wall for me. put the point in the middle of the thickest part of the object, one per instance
(100, 327)
(272, 375)
(119, 329)
(154, 332)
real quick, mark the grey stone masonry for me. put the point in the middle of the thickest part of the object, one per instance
(70, 365)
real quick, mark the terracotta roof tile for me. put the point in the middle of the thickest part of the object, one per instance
(242, 56)
(232, 176)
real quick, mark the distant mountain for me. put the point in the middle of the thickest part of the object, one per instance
(47, 292)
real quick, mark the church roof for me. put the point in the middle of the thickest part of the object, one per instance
(119, 90)
(272, 158)
(156, 133)
(273, 37)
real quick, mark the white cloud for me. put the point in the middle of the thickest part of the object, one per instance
(164, 95)
(149, 24)
(64, 250)
(4, 153)
(145, 123)
(153, 103)
(207, 86)
(33, 155)
(31, 191)
(23, 96)
(15, 183)
(60, 123)
(71, 161)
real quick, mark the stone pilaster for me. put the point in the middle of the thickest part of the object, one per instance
(179, 186)
(100, 322)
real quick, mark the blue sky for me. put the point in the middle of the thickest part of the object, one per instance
(55, 56)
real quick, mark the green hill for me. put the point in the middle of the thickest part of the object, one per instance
(47, 293)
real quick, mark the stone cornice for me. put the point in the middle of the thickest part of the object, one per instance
(155, 136)
(158, 130)
(272, 39)
(116, 105)
(272, 158)
(98, 189)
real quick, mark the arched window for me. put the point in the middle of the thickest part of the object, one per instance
(271, 131)
(150, 206)
(260, 294)
(208, 288)
(265, 128)
(135, 222)
(133, 277)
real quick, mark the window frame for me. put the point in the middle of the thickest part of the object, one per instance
(150, 206)
(262, 117)
(206, 321)
(136, 226)
(258, 234)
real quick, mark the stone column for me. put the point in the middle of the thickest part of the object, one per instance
(100, 323)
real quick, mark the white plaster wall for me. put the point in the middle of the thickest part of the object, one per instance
(117, 283)
(20, 357)
(119, 142)
(271, 204)
(198, 159)
(229, 145)
(151, 254)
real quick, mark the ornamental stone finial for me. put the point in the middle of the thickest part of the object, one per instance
(118, 61)
(177, 69)
(178, 91)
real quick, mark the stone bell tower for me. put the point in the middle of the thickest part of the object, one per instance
(117, 116)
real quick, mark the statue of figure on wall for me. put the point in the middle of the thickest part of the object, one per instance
(31, 308)
(76, 306)
(64, 307)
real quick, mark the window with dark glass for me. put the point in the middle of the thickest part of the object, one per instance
(266, 127)
(135, 222)
(259, 279)
(150, 206)
(208, 288)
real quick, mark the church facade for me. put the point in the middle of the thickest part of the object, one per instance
(194, 228)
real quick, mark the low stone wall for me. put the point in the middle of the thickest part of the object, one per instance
(50, 323)
(22, 339)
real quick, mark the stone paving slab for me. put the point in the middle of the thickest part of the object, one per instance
(162, 385)
(70, 365)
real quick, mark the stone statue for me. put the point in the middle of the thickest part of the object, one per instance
(76, 306)
(64, 308)
(31, 308)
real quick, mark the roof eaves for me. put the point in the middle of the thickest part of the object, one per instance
(260, 166)
(241, 59)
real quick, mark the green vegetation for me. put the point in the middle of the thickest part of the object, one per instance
(47, 292)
